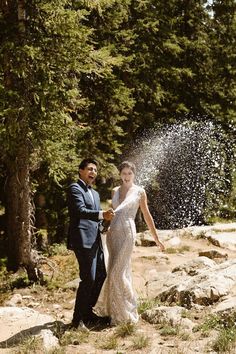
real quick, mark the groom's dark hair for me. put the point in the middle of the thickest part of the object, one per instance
(85, 162)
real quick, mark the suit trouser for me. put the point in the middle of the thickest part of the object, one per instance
(92, 275)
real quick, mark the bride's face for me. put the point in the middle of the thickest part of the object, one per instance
(127, 176)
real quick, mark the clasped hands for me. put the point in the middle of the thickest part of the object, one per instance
(108, 214)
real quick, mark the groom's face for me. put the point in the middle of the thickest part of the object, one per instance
(89, 173)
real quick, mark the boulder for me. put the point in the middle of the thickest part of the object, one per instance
(212, 254)
(195, 266)
(29, 323)
(224, 240)
(165, 315)
(204, 288)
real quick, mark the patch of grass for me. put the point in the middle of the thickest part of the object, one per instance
(10, 280)
(184, 336)
(53, 285)
(184, 248)
(211, 322)
(168, 330)
(228, 320)
(5, 288)
(172, 250)
(226, 340)
(59, 279)
(109, 343)
(3, 297)
(146, 304)
(225, 325)
(20, 282)
(150, 258)
(56, 351)
(224, 230)
(125, 329)
(58, 249)
(74, 337)
(29, 345)
(53, 278)
(186, 314)
(141, 341)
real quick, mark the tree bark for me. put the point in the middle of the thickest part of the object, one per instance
(18, 213)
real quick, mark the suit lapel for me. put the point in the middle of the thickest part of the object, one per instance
(82, 185)
(87, 194)
(85, 190)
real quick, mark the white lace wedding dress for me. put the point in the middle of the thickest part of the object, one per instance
(117, 299)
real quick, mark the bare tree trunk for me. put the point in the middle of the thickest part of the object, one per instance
(18, 211)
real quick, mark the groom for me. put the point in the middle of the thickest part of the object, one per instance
(84, 239)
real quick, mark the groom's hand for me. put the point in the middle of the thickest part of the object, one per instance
(108, 214)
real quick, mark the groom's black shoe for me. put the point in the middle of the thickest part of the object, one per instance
(97, 320)
(78, 325)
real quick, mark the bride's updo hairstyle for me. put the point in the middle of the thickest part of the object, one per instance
(127, 164)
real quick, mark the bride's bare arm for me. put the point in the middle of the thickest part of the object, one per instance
(149, 220)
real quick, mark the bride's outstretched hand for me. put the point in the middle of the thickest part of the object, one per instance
(160, 245)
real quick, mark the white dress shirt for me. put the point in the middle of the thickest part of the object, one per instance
(100, 215)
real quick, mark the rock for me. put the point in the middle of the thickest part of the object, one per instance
(33, 304)
(160, 282)
(72, 284)
(228, 305)
(174, 241)
(28, 322)
(145, 238)
(213, 254)
(225, 240)
(204, 288)
(172, 316)
(27, 297)
(227, 311)
(16, 299)
(195, 232)
(49, 340)
(156, 256)
(69, 305)
(221, 235)
(205, 231)
(195, 266)
(220, 227)
(56, 306)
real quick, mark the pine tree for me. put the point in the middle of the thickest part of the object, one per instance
(46, 49)
(223, 40)
(110, 98)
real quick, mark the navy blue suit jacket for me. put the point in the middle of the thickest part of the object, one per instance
(84, 216)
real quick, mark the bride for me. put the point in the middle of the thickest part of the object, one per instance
(117, 299)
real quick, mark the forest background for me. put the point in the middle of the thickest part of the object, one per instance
(89, 78)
